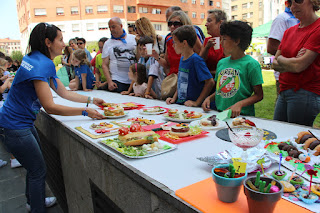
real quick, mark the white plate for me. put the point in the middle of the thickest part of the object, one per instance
(150, 153)
(181, 120)
(152, 113)
(220, 125)
(119, 116)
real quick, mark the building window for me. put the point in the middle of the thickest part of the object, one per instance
(194, 15)
(244, 15)
(60, 11)
(235, 17)
(90, 27)
(157, 27)
(156, 11)
(118, 8)
(75, 27)
(251, 4)
(218, 3)
(61, 27)
(260, 4)
(74, 11)
(210, 3)
(131, 9)
(250, 15)
(244, 5)
(201, 2)
(143, 10)
(89, 10)
(40, 12)
(202, 15)
(102, 9)
(184, 1)
(193, 1)
(234, 8)
(103, 25)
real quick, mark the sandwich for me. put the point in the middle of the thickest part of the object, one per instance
(180, 130)
(139, 138)
(113, 111)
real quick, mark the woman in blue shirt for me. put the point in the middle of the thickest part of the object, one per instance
(29, 92)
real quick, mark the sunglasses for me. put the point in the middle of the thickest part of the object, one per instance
(79, 43)
(174, 23)
(296, 1)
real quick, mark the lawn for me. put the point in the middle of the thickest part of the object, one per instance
(265, 108)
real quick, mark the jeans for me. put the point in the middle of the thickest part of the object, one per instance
(121, 87)
(24, 145)
(300, 107)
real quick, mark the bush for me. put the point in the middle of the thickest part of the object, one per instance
(16, 55)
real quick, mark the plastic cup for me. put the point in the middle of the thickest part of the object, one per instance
(217, 44)
(262, 202)
(149, 49)
(228, 189)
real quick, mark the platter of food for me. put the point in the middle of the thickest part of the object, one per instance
(209, 123)
(133, 142)
(140, 120)
(131, 105)
(181, 133)
(297, 154)
(152, 110)
(98, 129)
(182, 116)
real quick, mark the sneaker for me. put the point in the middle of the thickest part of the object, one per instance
(15, 163)
(50, 201)
(3, 163)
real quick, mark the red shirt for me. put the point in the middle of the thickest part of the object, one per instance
(173, 57)
(214, 56)
(293, 40)
(93, 62)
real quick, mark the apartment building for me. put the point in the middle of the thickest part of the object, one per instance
(256, 12)
(89, 18)
(7, 46)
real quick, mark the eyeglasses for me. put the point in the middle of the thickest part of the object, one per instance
(174, 23)
(296, 1)
(80, 43)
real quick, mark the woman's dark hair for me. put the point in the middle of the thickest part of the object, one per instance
(141, 71)
(66, 50)
(103, 39)
(9, 59)
(39, 35)
(186, 32)
(237, 30)
(2, 55)
(81, 39)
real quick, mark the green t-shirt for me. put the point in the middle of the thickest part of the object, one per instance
(235, 80)
(99, 67)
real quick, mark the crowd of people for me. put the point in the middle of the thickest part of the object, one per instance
(182, 67)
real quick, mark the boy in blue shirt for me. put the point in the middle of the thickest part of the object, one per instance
(194, 79)
(238, 77)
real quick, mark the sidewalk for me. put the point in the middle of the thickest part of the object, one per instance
(12, 186)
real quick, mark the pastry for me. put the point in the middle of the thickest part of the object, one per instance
(113, 111)
(303, 136)
(242, 122)
(209, 122)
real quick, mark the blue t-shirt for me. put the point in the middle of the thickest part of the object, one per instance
(191, 76)
(22, 105)
(84, 69)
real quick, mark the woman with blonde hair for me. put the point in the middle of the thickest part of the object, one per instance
(298, 61)
(145, 28)
(171, 59)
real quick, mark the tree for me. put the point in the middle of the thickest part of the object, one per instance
(92, 45)
(16, 55)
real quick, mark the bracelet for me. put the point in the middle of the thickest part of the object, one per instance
(84, 112)
(147, 93)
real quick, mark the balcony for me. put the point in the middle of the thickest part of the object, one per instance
(153, 17)
(163, 3)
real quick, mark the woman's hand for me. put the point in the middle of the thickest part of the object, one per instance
(92, 113)
(98, 101)
(211, 43)
(131, 94)
(148, 96)
(190, 103)
(87, 90)
(170, 101)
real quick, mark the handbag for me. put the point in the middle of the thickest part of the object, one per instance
(169, 86)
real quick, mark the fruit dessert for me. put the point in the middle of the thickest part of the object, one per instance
(309, 141)
(141, 121)
(153, 110)
(115, 110)
(183, 115)
(180, 130)
(242, 122)
(209, 122)
(101, 125)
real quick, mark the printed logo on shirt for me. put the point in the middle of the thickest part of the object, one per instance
(26, 65)
(228, 82)
(183, 79)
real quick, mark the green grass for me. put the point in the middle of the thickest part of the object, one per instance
(265, 108)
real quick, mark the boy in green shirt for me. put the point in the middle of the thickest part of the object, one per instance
(238, 78)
